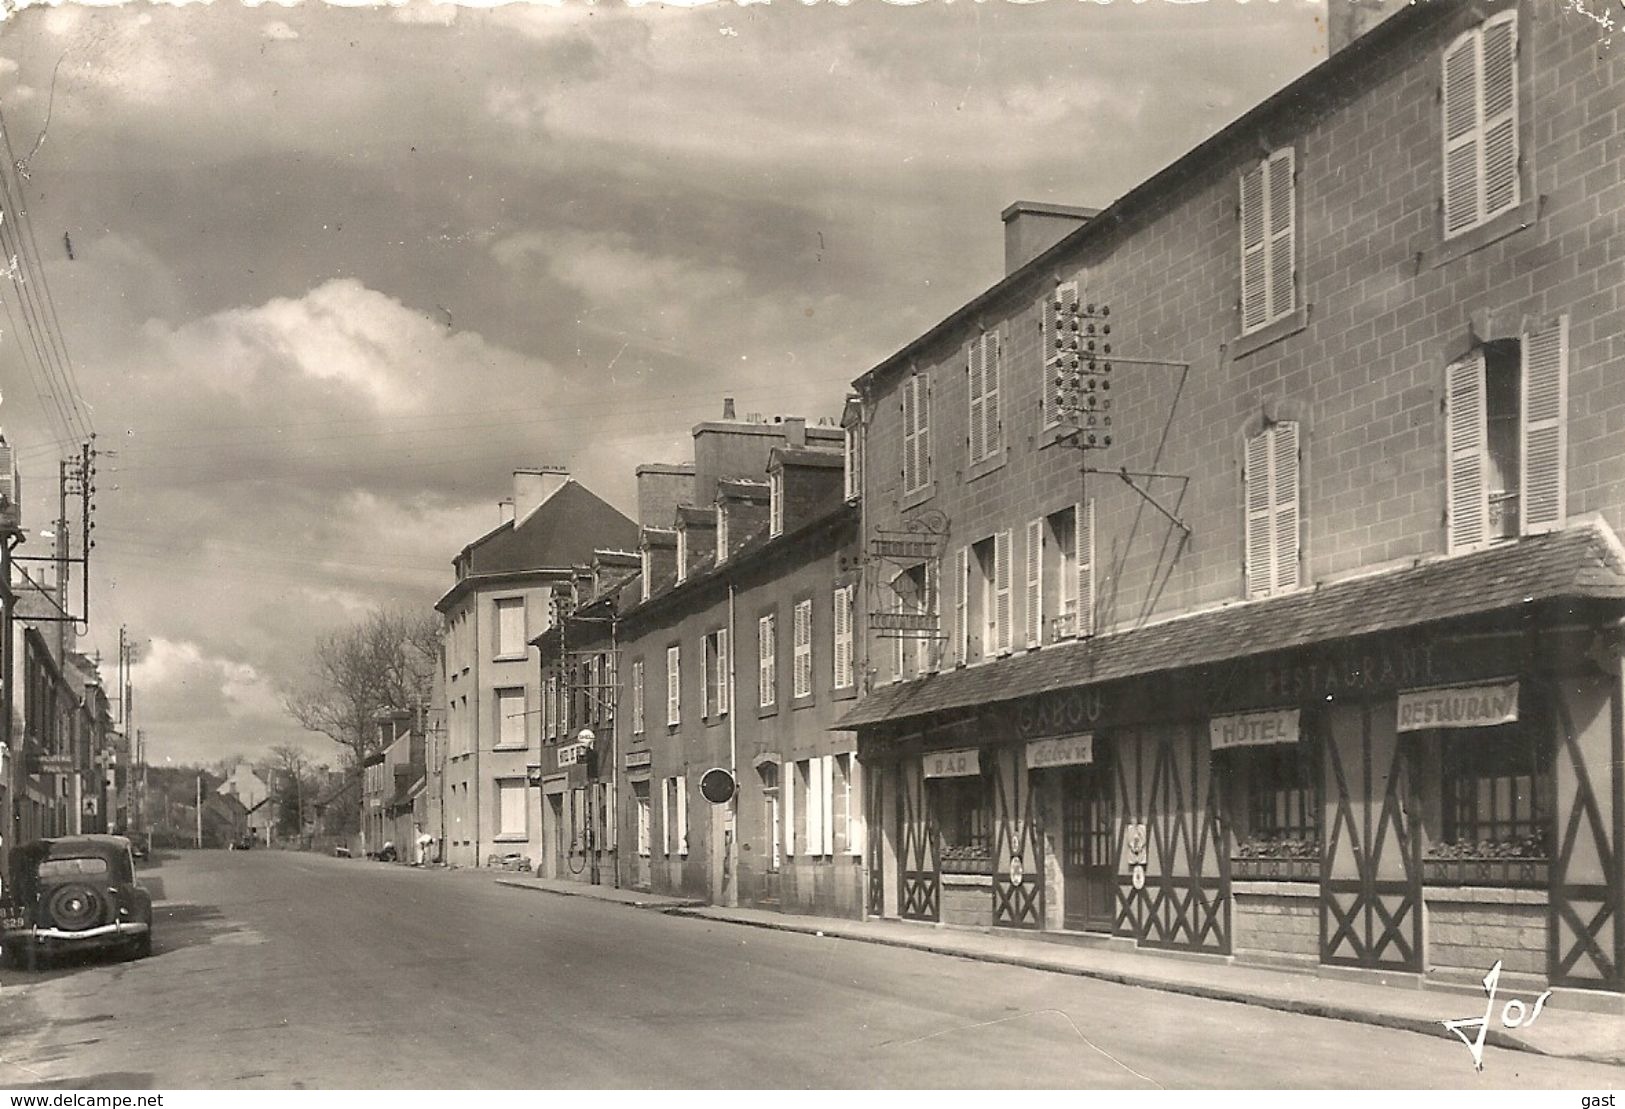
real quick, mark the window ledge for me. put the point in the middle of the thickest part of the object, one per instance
(806, 702)
(511, 837)
(508, 658)
(1052, 434)
(501, 747)
(843, 693)
(764, 711)
(1306, 887)
(918, 496)
(967, 879)
(1289, 324)
(1507, 223)
(987, 465)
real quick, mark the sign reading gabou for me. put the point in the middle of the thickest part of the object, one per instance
(1463, 706)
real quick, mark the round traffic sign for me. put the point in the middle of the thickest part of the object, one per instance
(717, 785)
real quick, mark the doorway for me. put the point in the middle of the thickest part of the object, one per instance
(555, 805)
(1088, 870)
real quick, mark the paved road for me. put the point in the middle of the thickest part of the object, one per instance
(276, 970)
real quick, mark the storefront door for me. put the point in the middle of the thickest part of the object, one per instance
(919, 879)
(1087, 867)
(555, 803)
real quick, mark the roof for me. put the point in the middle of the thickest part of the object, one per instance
(1331, 78)
(564, 531)
(1583, 561)
(806, 456)
(66, 847)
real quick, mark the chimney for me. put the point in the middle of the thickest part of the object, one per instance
(1347, 20)
(727, 408)
(505, 510)
(533, 486)
(795, 431)
(661, 488)
(1030, 228)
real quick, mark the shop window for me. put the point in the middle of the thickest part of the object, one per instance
(963, 811)
(1280, 801)
(1497, 794)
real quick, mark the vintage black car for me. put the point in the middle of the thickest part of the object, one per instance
(75, 893)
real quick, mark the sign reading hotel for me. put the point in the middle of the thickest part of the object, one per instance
(569, 756)
(1466, 706)
(1253, 729)
(1075, 750)
(953, 764)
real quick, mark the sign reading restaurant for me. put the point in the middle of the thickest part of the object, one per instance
(1467, 706)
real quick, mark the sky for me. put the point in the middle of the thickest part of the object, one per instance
(337, 271)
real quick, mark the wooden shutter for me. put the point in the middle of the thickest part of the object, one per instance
(1542, 410)
(962, 605)
(1260, 541)
(787, 792)
(1083, 517)
(1284, 500)
(766, 662)
(802, 678)
(976, 378)
(665, 816)
(911, 468)
(681, 786)
(1499, 72)
(855, 825)
(674, 702)
(992, 370)
(1254, 284)
(826, 793)
(841, 653)
(922, 420)
(1460, 98)
(1003, 632)
(1281, 232)
(1035, 583)
(1467, 504)
(722, 672)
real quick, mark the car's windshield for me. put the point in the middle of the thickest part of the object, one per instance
(67, 868)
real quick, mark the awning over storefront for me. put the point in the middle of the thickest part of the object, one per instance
(1582, 562)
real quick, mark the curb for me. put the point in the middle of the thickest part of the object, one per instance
(1328, 1011)
(664, 905)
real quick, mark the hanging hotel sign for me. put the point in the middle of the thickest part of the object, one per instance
(571, 754)
(953, 764)
(1253, 729)
(639, 760)
(1464, 706)
(1072, 750)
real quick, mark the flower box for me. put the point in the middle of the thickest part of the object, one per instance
(1526, 872)
(1278, 870)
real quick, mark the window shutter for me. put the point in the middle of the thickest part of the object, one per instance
(1003, 632)
(1254, 289)
(1260, 542)
(681, 787)
(665, 816)
(722, 672)
(1461, 133)
(991, 371)
(962, 606)
(976, 376)
(1035, 582)
(787, 791)
(1466, 494)
(929, 651)
(922, 420)
(811, 774)
(1281, 233)
(674, 704)
(1285, 497)
(1083, 517)
(766, 658)
(910, 469)
(855, 822)
(1500, 106)
(838, 616)
(1047, 358)
(826, 792)
(1543, 418)
(802, 659)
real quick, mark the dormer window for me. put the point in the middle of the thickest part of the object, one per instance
(775, 503)
(643, 570)
(722, 534)
(853, 463)
(682, 553)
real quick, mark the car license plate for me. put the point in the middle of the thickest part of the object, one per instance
(13, 919)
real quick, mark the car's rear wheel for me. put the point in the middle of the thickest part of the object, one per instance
(75, 907)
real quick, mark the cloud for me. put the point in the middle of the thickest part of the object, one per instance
(180, 678)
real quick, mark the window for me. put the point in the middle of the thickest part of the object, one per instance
(767, 660)
(604, 817)
(982, 368)
(511, 627)
(915, 593)
(852, 459)
(1506, 426)
(847, 805)
(1480, 109)
(775, 502)
(715, 693)
(982, 614)
(550, 708)
(645, 571)
(842, 652)
(1062, 343)
(801, 651)
(916, 433)
(962, 811)
(768, 772)
(722, 534)
(1064, 562)
(578, 819)
(674, 703)
(511, 807)
(640, 798)
(682, 553)
(1271, 483)
(510, 718)
(637, 697)
(1497, 791)
(1281, 800)
(811, 790)
(1267, 247)
(675, 827)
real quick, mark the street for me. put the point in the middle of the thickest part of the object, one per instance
(282, 970)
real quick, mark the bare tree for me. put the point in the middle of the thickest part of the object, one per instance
(386, 662)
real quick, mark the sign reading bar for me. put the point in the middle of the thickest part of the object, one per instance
(1466, 706)
(1073, 750)
(1253, 729)
(953, 764)
(570, 755)
(637, 760)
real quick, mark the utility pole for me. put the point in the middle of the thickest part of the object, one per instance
(200, 810)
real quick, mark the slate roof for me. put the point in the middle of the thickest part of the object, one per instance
(1583, 561)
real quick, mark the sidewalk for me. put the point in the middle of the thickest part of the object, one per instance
(1558, 1031)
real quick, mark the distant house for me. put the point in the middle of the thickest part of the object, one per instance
(224, 820)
